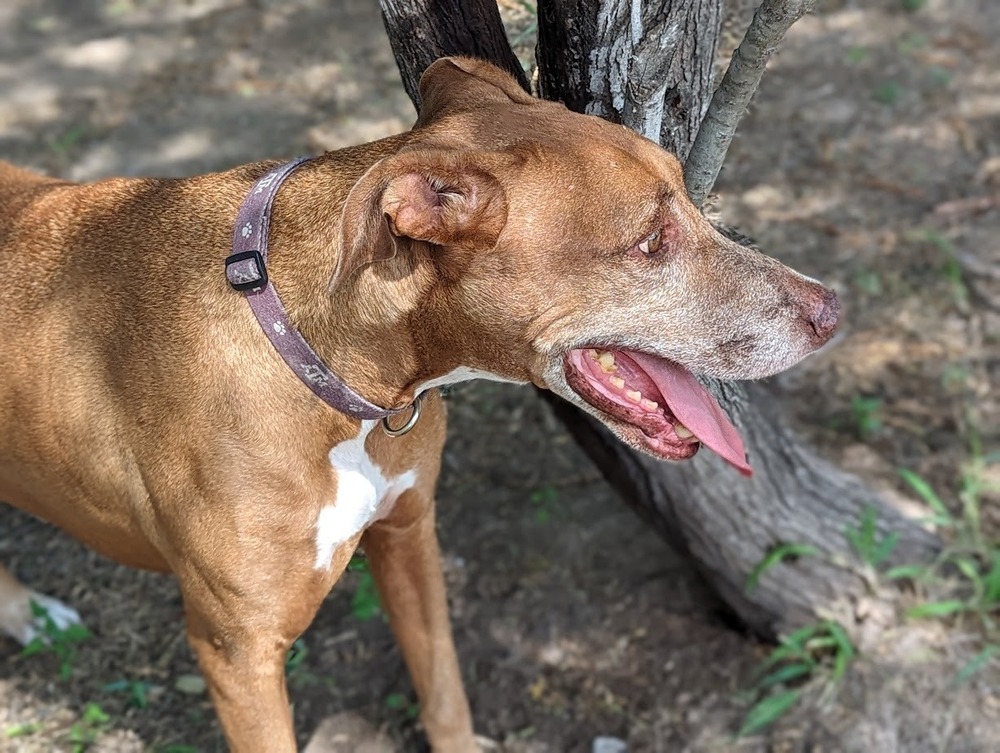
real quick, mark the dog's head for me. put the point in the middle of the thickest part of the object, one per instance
(562, 249)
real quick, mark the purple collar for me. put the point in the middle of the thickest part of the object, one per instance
(247, 272)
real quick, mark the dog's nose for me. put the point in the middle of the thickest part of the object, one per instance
(822, 313)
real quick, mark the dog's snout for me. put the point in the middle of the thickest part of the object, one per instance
(822, 311)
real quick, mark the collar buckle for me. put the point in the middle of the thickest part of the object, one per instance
(246, 270)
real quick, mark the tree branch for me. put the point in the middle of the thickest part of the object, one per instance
(769, 25)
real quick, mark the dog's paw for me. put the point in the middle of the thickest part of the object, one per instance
(486, 745)
(27, 623)
(348, 732)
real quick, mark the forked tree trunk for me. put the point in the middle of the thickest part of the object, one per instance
(649, 65)
(421, 32)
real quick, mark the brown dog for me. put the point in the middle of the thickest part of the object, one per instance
(144, 410)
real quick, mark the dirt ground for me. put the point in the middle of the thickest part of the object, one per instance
(870, 159)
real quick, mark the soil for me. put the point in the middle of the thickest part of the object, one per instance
(870, 159)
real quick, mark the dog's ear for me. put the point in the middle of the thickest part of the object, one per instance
(441, 198)
(458, 84)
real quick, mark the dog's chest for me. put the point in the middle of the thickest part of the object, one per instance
(364, 494)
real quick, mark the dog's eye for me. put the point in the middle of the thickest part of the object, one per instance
(652, 244)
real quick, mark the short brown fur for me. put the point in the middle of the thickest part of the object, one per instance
(143, 410)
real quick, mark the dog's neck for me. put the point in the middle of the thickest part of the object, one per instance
(367, 329)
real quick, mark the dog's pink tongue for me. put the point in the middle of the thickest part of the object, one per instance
(694, 407)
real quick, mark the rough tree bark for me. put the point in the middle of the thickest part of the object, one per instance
(421, 32)
(649, 65)
(635, 63)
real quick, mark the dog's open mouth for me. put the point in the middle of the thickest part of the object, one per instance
(660, 403)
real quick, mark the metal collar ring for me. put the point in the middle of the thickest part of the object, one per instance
(410, 422)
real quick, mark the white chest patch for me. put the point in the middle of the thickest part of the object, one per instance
(463, 374)
(364, 495)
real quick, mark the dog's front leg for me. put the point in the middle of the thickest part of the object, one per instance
(406, 563)
(241, 623)
(245, 676)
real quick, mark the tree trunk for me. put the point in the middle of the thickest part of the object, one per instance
(651, 71)
(421, 31)
(607, 58)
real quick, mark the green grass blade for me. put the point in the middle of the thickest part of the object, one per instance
(296, 655)
(75, 633)
(365, 603)
(35, 646)
(976, 663)
(845, 649)
(908, 572)
(767, 711)
(884, 549)
(786, 673)
(927, 494)
(797, 638)
(358, 564)
(783, 653)
(792, 646)
(937, 608)
(991, 582)
(22, 730)
(93, 714)
(775, 557)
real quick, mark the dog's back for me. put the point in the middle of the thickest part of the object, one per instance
(20, 188)
(17, 187)
(50, 347)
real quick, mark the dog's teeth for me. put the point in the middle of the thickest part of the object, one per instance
(650, 404)
(683, 432)
(633, 395)
(607, 361)
(617, 382)
(592, 353)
